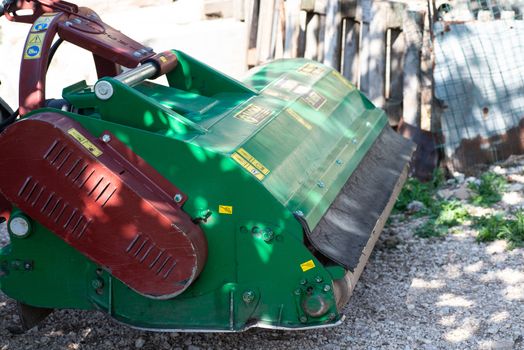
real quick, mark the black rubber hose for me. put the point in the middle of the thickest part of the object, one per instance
(53, 50)
(9, 120)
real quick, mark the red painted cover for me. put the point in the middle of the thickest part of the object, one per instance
(104, 200)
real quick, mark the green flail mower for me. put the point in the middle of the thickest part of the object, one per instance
(204, 204)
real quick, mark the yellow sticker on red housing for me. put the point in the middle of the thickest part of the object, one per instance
(225, 209)
(33, 46)
(308, 265)
(42, 23)
(85, 142)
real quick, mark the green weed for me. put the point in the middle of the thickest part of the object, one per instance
(443, 216)
(488, 192)
(492, 227)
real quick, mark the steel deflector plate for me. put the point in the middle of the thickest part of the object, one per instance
(344, 231)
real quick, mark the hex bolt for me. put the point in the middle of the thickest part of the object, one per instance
(268, 235)
(318, 279)
(104, 90)
(339, 162)
(137, 54)
(97, 283)
(303, 281)
(321, 184)
(368, 124)
(299, 213)
(327, 288)
(354, 141)
(248, 296)
(298, 291)
(178, 198)
(303, 319)
(106, 138)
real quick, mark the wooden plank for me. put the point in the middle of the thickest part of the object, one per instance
(348, 8)
(292, 28)
(332, 42)
(251, 7)
(265, 35)
(316, 6)
(396, 77)
(373, 51)
(321, 37)
(302, 34)
(413, 27)
(350, 64)
(426, 76)
(312, 29)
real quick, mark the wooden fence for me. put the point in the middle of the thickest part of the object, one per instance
(383, 47)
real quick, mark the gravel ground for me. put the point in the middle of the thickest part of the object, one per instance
(440, 293)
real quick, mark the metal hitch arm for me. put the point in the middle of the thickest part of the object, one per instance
(81, 27)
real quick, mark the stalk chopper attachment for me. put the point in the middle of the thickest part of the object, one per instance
(206, 204)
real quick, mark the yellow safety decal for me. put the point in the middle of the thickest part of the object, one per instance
(253, 161)
(310, 69)
(299, 119)
(253, 114)
(42, 23)
(163, 59)
(308, 265)
(33, 46)
(85, 142)
(225, 209)
(246, 165)
(314, 99)
(343, 80)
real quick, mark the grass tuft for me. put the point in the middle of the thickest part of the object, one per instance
(488, 191)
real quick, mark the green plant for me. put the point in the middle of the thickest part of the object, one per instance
(424, 192)
(488, 191)
(431, 229)
(492, 227)
(450, 213)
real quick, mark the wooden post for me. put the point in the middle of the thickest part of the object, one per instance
(312, 29)
(373, 50)
(291, 40)
(396, 77)
(251, 7)
(426, 76)
(265, 36)
(350, 60)
(333, 28)
(413, 27)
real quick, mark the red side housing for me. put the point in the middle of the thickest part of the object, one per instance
(105, 201)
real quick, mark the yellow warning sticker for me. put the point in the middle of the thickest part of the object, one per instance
(308, 265)
(85, 142)
(225, 209)
(311, 69)
(42, 23)
(249, 167)
(253, 161)
(343, 80)
(299, 119)
(253, 114)
(33, 46)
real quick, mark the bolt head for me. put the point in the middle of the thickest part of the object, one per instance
(318, 279)
(178, 198)
(339, 162)
(299, 213)
(303, 319)
(327, 288)
(268, 235)
(106, 138)
(303, 281)
(97, 283)
(321, 184)
(298, 291)
(103, 90)
(248, 296)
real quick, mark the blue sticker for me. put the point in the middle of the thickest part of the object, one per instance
(32, 51)
(41, 26)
